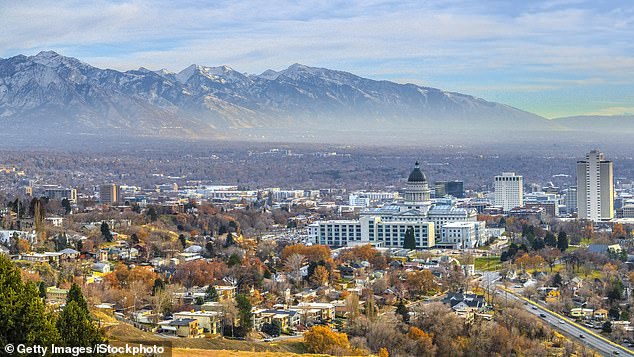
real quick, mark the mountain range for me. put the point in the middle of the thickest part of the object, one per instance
(51, 94)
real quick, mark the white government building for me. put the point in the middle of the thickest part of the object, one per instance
(434, 225)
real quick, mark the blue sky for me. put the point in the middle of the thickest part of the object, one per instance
(554, 58)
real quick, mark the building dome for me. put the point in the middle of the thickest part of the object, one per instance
(416, 175)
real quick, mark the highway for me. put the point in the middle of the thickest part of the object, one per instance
(568, 327)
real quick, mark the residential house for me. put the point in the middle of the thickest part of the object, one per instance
(181, 327)
(208, 321)
(464, 304)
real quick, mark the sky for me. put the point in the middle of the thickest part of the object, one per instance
(553, 58)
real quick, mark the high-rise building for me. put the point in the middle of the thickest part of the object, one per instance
(509, 191)
(452, 188)
(60, 193)
(595, 187)
(571, 199)
(109, 194)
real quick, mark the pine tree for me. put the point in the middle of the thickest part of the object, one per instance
(75, 324)
(76, 327)
(562, 241)
(402, 310)
(244, 312)
(75, 294)
(211, 294)
(183, 240)
(23, 317)
(410, 240)
(158, 286)
(105, 232)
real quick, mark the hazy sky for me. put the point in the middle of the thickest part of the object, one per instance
(554, 58)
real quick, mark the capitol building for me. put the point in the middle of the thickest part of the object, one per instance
(438, 225)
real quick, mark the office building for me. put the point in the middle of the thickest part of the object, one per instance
(595, 187)
(60, 193)
(110, 194)
(451, 188)
(509, 191)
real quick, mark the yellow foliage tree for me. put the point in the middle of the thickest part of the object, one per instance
(383, 352)
(321, 339)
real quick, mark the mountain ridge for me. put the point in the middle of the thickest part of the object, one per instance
(50, 92)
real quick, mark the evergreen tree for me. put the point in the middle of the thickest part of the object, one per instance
(67, 207)
(230, 240)
(410, 239)
(151, 213)
(75, 324)
(158, 285)
(562, 241)
(557, 280)
(105, 232)
(538, 244)
(550, 240)
(76, 327)
(75, 294)
(211, 294)
(244, 312)
(134, 238)
(42, 289)
(23, 316)
(183, 240)
(402, 310)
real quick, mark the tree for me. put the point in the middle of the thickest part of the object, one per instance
(76, 327)
(320, 276)
(274, 329)
(211, 294)
(23, 316)
(402, 310)
(410, 239)
(607, 327)
(67, 207)
(75, 294)
(230, 240)
(383, 352)
(244, 312)
(550, 240)
(183, 240)
(105, 232)
(158, 286)
(538, 244)
(321, 339)
(152, 214)
(557, 280)
(293, 264)
(562, 241)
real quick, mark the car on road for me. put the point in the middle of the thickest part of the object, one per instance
(582, 336)
(534, 307)
(542, 315)
(616, 352)
(562, 321)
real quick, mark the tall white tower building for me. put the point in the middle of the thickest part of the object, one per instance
(509, 191)
(595, 187)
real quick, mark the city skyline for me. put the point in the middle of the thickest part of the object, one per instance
(551, 58)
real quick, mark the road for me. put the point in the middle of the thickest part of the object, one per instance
(489, 279)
